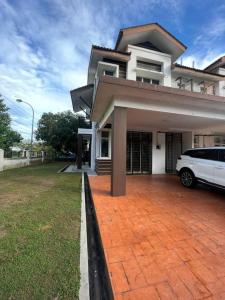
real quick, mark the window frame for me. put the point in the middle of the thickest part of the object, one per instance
(112, 72)
(146, 78)
(109, 143)
(148, 65)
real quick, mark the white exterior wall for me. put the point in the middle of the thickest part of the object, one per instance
(220, 86)
(158, 155)
(154, 56)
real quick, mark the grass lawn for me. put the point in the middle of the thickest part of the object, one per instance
(39, 233)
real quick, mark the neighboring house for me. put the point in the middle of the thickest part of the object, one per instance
(145, 108)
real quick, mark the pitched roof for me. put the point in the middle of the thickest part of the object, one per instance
(216, 63)
(146, 25)
(197, 70)
(109, 50)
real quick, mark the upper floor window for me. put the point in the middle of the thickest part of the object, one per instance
(149, 66)
(109, 73)
(147, 80)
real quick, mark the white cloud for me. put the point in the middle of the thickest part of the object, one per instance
(208, 45)
(45, 46)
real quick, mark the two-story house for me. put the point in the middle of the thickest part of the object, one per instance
(145, 108)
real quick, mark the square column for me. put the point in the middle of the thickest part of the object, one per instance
(119, 143)
(79, 151)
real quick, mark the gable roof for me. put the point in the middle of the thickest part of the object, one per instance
(219, 76)
(145, 27)
(109, 50)
(216, 64)
(82, 97)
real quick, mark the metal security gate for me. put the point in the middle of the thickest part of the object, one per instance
(139, 152)
(173, 150)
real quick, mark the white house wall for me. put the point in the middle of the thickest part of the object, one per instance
(158, 155)
(220, 86)
(146, 54)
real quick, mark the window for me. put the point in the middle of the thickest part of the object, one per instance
(149, 66)
(109, 73)
(154, 81)
(147, 80)
(105, 144)
(219, 141)
(222, 155)
(209, 154)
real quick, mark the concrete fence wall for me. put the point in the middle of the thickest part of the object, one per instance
(11, 163)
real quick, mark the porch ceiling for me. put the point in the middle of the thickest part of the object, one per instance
(142, 119)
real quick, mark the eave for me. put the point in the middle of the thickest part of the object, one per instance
(197, 72)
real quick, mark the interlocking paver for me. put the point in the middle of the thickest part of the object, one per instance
(162, 241)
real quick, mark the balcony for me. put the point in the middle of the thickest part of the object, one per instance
(196, 80)
(200, 86)
(112, 91)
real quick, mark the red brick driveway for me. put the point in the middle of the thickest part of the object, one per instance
(162, 241)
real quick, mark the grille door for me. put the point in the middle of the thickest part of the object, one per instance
(173, 150)
(139, 152)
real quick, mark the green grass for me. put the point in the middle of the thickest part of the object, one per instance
(39, 233)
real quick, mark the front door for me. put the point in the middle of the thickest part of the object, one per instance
(139, 152)
(173, 150)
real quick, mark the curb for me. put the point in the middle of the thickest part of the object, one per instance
(84, 281)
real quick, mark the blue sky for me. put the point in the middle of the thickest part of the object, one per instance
(45, 44)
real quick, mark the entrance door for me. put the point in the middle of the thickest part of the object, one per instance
(139, 152)
(173, 150)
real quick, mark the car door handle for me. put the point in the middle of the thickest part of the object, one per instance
(220, 167)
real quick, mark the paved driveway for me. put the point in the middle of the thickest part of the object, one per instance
(162, 241)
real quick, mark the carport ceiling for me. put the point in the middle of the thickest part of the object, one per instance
(167, 121)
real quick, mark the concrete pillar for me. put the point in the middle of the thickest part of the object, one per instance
(79, 151)
(1, 159)
(93, 146)
(42, 156)
(28, 156)
(119, 141)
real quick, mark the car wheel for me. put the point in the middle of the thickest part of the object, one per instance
(187, 178)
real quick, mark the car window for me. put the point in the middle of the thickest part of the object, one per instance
(222, 155)
(209, 154)
(188, 152)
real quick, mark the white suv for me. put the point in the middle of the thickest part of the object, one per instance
(206, 165)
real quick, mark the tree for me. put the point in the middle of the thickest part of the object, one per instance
(60, 130)
(7, 136)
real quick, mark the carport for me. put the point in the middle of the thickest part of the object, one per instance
(130, 106)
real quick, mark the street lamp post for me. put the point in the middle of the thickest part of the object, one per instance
(32, 128)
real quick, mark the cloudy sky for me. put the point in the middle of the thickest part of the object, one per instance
(45, 44)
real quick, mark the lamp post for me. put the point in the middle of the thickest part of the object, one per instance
(32, 128)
